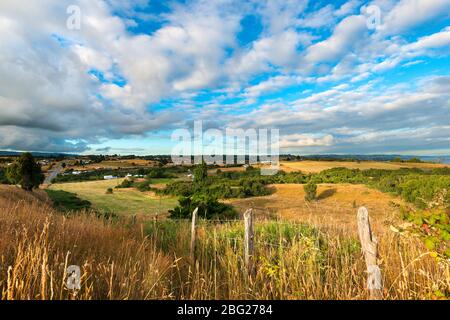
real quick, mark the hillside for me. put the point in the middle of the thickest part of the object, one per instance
(125, 260)
(335, 206)
(38, 244)
(309, 166)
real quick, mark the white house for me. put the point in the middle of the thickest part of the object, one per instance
(109, 177)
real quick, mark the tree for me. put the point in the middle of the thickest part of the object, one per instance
(201, 173)
(310, 191)
(26, 172)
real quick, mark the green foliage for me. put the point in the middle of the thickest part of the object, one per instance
(26, 172)
(310, 191)
(3, 179)
(201, 173)
(209, 208)
(177, 188)
(434, 227)
(340, 175)
(127, 183)
(420, 190)
(223, 185)
(159, 173)
(109, 191)
(253, 187)
(143, 186)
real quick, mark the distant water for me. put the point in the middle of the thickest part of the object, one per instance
(442, 159)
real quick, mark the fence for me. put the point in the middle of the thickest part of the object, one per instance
(368, 241)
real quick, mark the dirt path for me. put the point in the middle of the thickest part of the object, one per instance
(53, 173)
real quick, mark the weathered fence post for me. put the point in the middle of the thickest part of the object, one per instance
(193, 233)
(369, 246)
(248, 242)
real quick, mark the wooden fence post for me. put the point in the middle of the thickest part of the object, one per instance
(248, 242)
(193, 233)
(369, 246)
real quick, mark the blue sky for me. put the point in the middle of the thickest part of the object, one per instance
(333, 76)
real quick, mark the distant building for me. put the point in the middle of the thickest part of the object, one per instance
(109, 177)
(76, 172)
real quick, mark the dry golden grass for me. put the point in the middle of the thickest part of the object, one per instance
(119, 262)
(317, 166)
(336, 205)
(37, 245)
(326, 266)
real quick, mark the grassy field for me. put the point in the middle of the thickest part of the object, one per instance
(335, 206)
(317, 166)
(122, 201)
(120, 261)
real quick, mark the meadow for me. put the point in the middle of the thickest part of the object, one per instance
(150, 260)
(122, 201)
(336, 205)
(303, 249)
(318, 166)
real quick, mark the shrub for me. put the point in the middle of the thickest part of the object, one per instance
(109, 191)
(127, 183)
(143, 186)
(208, 208)
(3, 179)
(310, 191)
(159, 173)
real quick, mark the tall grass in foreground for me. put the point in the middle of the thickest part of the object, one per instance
(296, 261)
(37, 245)
(151, 261)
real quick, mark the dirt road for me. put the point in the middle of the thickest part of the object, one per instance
(53, 173)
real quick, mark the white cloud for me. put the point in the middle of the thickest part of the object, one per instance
(344, 37)
(48, 99)
(303, 140)
(279, 50)
(410, 13)
(270, 85)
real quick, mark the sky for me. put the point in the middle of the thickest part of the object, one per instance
(112, 76)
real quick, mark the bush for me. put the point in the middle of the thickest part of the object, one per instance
(178, 188)
(143, 186)
(310, 191)
(109, 191)
(208, 208)
(127, 183)
(3, 179)
(421, 190)
(159, 173)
